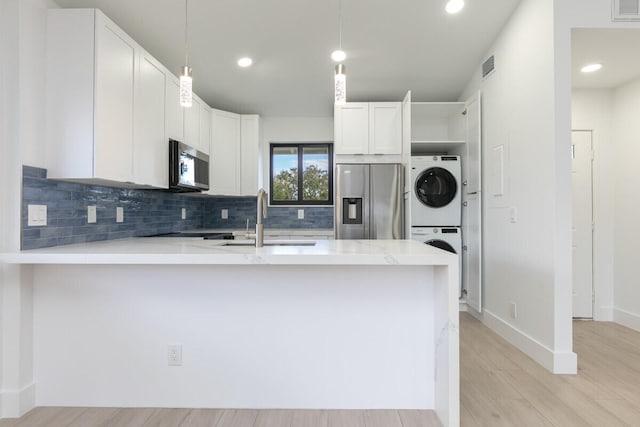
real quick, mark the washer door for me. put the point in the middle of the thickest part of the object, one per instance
(436, 187)
(441, 244)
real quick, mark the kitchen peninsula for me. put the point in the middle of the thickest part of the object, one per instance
(344, 324)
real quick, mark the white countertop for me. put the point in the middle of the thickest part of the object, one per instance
(190, 251)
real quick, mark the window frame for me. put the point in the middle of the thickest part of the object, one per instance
(300, 146)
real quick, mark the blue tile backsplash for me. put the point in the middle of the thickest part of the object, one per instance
(243, 208)
(145, 212)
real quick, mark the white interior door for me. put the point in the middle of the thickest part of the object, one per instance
(581, 150)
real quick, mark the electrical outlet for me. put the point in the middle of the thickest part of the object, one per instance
(183, 213)
(36, 215)
(224, 213)
(119, 214)
(91, 214)
(514, 310)
(174, 354)
(300, 213)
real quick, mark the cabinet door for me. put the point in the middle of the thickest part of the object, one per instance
(472, 250)
(351, 128)
(249, 154)
(192, 124)
(114, 93)
(385, 128)
(224, 163)
(474, 147)
(175, 113)
(150, 150)
(205, 129)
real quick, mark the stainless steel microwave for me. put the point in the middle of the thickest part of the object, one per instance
(188, 168)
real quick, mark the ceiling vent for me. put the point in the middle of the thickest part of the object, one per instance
(488, 66)
(626, 10)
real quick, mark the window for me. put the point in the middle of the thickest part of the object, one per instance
(314, 186)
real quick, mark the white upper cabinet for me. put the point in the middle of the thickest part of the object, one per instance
(150, 152)
(385, 128)
(91, 67)
(205, 128)
(368, 128)
(224, 162)
(472, 169)
(249, 151)
(351, 128)
(111, 107)
(234, 161)
(192, 124)
(175, 112)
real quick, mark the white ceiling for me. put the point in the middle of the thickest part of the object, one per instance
(615, 49)
(392, 46)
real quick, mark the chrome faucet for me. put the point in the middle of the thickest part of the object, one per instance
(262, 213)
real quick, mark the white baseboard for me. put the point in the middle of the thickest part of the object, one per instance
(626, 318)
(16, 403)
(462, 306)
(604, 314)
(556, 362)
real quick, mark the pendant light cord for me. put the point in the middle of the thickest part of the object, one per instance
(340, 23)
(186, 26)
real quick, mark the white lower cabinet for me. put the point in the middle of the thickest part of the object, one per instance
(233, 165)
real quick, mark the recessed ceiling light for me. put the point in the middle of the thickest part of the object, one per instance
(454, 6)
(591, 68)
(245, 62)
(338, 55)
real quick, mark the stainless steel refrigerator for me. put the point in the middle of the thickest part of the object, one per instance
(369, 201)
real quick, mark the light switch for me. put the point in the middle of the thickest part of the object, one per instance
(300, 213)
(224, 213)
(119, 214)
(36, 215)
(513, 213)
(91, 214)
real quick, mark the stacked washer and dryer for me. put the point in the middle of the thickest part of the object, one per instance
(436, 203)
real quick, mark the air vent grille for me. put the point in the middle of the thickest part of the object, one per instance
(626, 10)
(488, 66)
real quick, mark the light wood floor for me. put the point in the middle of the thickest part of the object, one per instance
(499, 386)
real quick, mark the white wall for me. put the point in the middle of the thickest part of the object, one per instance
(292, 129)
(526, 262)
(592, 110)
(626, 130)
(22, 49)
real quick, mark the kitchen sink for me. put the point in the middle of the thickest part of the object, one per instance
(270, 243)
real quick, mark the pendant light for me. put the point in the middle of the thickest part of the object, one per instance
(340, 82)
(186, 82)
(340, 79)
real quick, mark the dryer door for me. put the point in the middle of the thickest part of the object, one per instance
(436, 187)
(441, 244)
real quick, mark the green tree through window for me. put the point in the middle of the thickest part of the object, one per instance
(313, 186)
